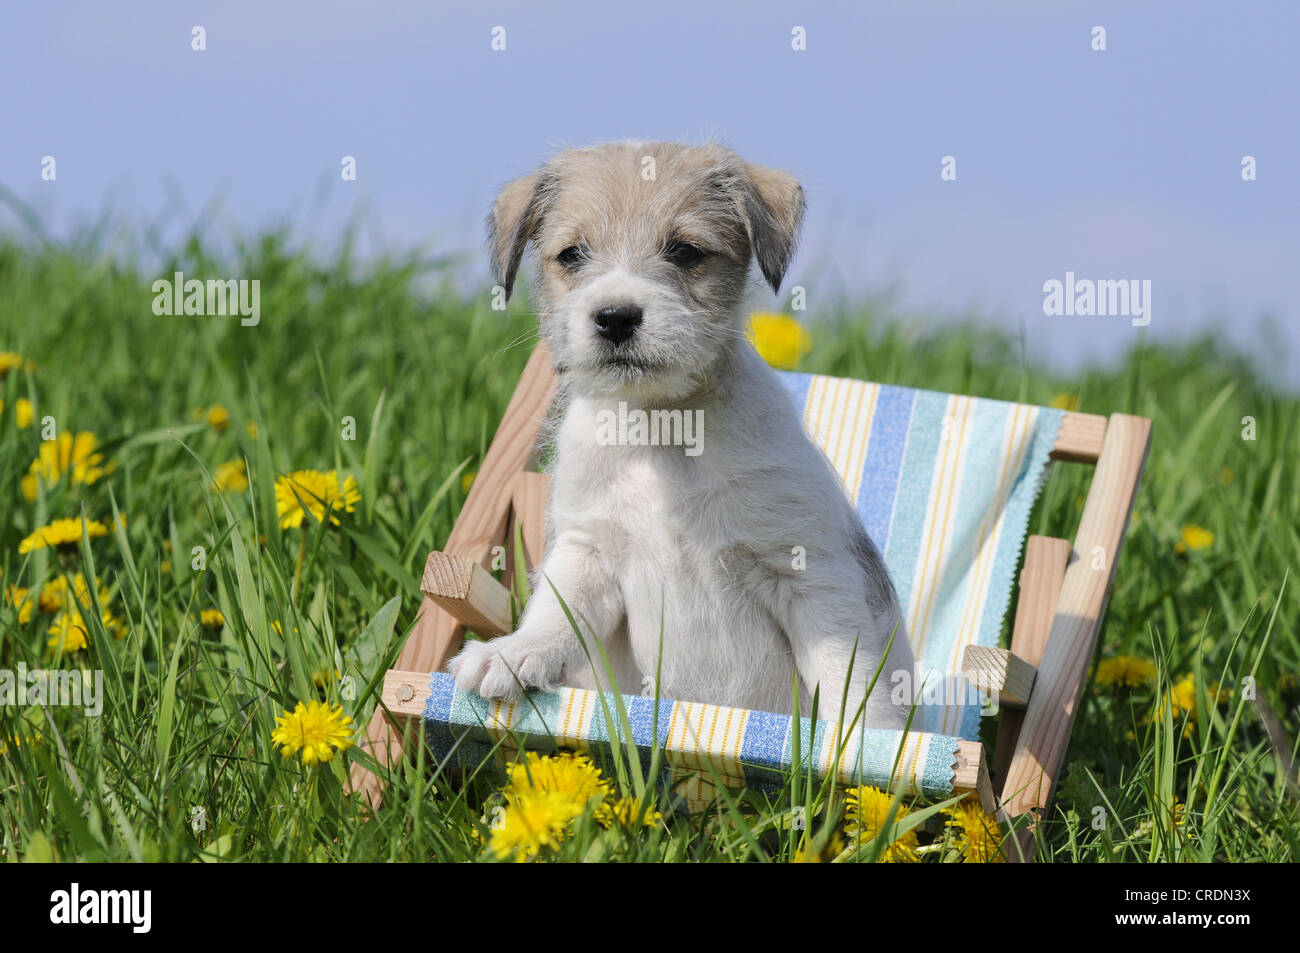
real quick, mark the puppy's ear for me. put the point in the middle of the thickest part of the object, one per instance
(774, 205)
(511, 224)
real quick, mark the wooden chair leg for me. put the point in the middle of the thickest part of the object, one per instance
(1049, 718)
(1040, 590)
(480, 526)
(530, 494)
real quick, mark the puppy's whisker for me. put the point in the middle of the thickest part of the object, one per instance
(529, 337)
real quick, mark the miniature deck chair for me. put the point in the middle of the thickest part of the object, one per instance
(944, 485)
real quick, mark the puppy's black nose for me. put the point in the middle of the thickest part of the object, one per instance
(617, 324)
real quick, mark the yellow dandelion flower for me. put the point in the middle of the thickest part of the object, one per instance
(305, 491)
(1126, 671)
(63, 534)
(33, 738)
(467, 480)
(68, 632)
(315, 729)
(625, 811)
(535, 822)
(544, 795)
(74, 456)
(865, 816)
(807, 855)
(1178, 813)
(212, 619)
(572, 775)
(9, 361)
(321, 677)
(251, 429)
(218, 418)
(55, 594)
(24, 412)
(114, 625)
(1225, 476)
(22, 600)
(1066, 402)
(1183, 701)
(980, 840)
(230, 477)
(1194, 538)
(779, 339)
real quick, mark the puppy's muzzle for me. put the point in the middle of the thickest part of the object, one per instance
(617, 324)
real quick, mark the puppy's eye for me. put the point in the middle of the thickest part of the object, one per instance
(684, 254)
(570, 256)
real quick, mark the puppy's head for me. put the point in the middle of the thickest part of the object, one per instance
(642, 253)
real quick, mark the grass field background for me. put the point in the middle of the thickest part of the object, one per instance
(181, 763)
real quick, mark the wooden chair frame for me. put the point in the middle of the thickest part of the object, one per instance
(1064, 590)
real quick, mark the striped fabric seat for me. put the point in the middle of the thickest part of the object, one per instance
(733, 745)
(944, 485)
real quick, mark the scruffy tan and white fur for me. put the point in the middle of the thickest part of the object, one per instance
(639, 285)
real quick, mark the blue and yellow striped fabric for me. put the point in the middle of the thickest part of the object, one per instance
(736, 745)
(944, 485)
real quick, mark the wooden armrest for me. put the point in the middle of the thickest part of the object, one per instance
(1080, 438)
(997, 670)
(468, 592)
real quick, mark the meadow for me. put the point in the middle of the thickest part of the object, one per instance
(209, 618)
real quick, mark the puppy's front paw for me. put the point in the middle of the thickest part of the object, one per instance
(498, 668)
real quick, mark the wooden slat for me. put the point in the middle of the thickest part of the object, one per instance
(991, 669)
(480, 526)
(1049, 718)
(1080, 438)
(971, 774)
(1040, 589)
(530, 494)
(405, 694)
(468, 592)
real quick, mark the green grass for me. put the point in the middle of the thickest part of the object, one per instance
(425, 374)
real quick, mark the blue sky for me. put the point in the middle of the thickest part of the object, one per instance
(1116, 164)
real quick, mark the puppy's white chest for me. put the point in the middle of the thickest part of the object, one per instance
(659, 523)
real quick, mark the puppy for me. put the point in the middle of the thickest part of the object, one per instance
(723, 571)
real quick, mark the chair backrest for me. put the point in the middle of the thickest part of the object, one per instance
(944, 485)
